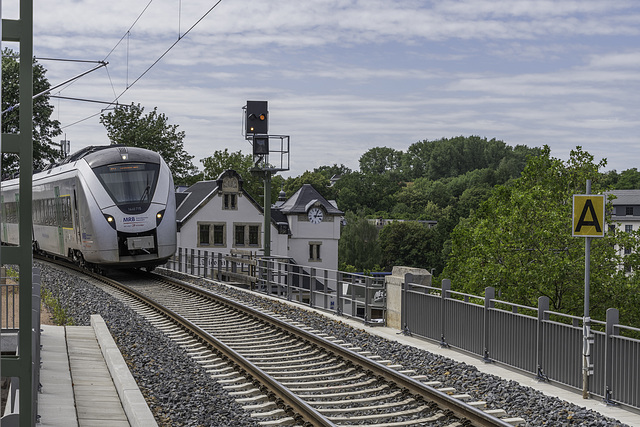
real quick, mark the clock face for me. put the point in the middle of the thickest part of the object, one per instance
(315, 215)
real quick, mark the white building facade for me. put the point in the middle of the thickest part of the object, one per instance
(220, 217)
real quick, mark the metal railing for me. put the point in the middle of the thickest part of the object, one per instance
(533, 339)
(350, 294)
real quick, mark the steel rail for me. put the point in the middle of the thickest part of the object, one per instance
(295, 407)
(461, 409)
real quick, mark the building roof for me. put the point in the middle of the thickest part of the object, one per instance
(304, 198)
(625, 197)
(194, 197)
(199, 194)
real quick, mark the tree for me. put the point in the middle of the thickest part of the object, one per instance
(408, 243)
(128, 125)
(380, 160)
(358, 245)
(519, 241)
(44, 128)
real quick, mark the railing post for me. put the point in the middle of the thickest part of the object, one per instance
(543, 308)
(219, 275)
(206, 263)
(613, 318)
(339, 288)
(180, 260)
(191, 261)
(367, 296)
(289, 280)
(312, 279)
(408, 278)
(199, 262)
(325, 289)
(444, 294)
(489, 295)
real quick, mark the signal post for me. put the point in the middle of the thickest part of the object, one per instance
(256, 130)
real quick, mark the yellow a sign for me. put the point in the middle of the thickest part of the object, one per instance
(588, 215)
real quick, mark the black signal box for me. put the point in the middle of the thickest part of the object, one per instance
(257, 120)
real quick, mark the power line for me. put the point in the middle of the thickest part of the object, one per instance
(180, 37)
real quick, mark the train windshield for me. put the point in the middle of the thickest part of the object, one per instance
(130, 185)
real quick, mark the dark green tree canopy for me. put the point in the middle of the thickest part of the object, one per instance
(520, 242)
(44, 128)
(128, 125)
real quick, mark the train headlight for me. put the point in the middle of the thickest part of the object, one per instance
(159, 217)
(110, 220)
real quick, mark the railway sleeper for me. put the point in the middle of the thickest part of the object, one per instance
(258, 406)
(344, 393)
(288, 421)
(250, 392)
(275, 412)
(238, 386)
(254, 398)
(351, 401)
(367, 408)
(322, 377)
(405, 413)
(338, 387)
(308, 367)
(515, 421)
(324, 381)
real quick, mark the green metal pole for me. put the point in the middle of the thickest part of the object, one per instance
(267, 213)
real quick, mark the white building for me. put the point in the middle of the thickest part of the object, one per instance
(626, 209)
(218, 216)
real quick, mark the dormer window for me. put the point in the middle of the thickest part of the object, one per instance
(230, 201)
(629, 210)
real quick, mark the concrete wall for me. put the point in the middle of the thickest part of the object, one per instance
(394, 291)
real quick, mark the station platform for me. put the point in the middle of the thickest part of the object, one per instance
(85, 381)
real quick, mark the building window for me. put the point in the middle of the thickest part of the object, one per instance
(629, 210)
(230, 201)
(628, 228)
(314, 251)
(247, 234)
(239, 235)
(627, 251)
(254, 235)
(204, 235)
(211, 232)
(218, 235)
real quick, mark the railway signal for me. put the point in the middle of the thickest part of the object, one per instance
(257, 121)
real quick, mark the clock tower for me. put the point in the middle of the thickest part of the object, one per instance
(314, 223)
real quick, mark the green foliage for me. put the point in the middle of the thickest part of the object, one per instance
(409, 244)
(58, 313)
(128, 125)
(379, 160)
(456, 156)
(519, 241)
(358, 246)
(44, 128)
(368, 193)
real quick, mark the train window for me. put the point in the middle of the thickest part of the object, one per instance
(130, 183)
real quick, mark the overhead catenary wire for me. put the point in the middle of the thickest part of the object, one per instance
(128, 86)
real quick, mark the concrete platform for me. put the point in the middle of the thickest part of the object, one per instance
(85, 381)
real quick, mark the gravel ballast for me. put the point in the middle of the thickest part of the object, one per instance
(180, 393)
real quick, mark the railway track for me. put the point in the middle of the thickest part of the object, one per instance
(284, 373)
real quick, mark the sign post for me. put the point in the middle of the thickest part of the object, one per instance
(588, 222)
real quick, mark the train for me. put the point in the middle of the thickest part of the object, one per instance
(102, 207)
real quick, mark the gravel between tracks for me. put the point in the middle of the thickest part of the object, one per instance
(180, 394)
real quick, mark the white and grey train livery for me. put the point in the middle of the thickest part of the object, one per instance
(103, 206)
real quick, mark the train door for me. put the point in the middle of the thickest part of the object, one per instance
(58, 208)
(4, 219)
(76, 218)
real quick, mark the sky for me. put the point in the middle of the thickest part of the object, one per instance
(344, 76)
